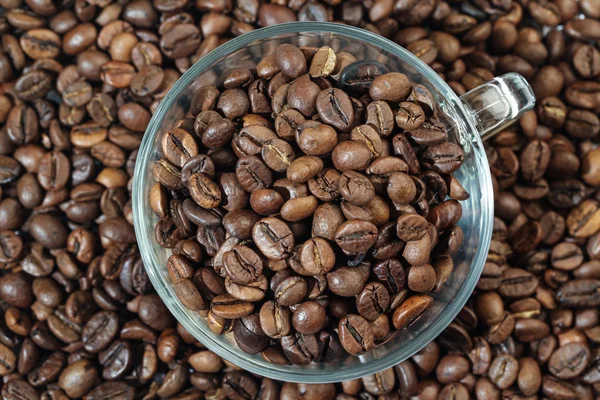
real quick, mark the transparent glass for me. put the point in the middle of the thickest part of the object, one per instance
(489, 108)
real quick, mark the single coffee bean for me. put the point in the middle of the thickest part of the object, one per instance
(78, 378)
(323, 62)
(359, 75)
(392, 86)
(351, 155)
(373, 301)
(40, 43)
(379, 114)
(290, 60)
(348, 281)
(239, 223)
(409, 116)
(273, 238)
(309, 318)
(579, 293)
(335, 108)
(356, 188)
(443, 158)
(356, 335)
(99, 331)
(356, 236)
(569, 361)
(325, 186)
(290, 291)
(411, 227)
(301, 95)
(204, 191)
(582, 220)
(179, 146)
(275, 320)
(410, 310)
(253, 173)
(317, 257)
(300, 349)
(277, 154)
(249, 335)
(421, 278)
(228, 307)
(242, 265)
(189, 295)
(503, 371)
(316, 139)
(403, 148)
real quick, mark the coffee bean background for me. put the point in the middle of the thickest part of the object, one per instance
(80, 79)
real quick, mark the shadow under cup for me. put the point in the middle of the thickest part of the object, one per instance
(476, 222)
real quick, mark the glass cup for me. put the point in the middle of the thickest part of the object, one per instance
(476, 115)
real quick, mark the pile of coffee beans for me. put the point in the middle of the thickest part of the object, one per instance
(79, 79)
(333, 214)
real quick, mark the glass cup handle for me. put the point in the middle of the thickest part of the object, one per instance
(498, 103)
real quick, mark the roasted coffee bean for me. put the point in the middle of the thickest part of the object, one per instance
(316, 257)
(99, 331)
(579, 293)
(179, 146)
(249, 335)
(356, 236)
(239, 223)
(428, 134)
(40, 43)
(325, 186)
(380, 115)
(228, 307)
(360, 74)
(242, 265)
(204, 191)
(503, 371)
(316, 139)
(290, 60)
(372, 301)
(443, 158)
(348, 281)
(410, 310)
(582, 220)
(356, 188)
(309, 318)
(392, 86)
(277, 154)
(409, 116)
(275, 320)
(300, 349)
(22, 125)
(391, 273)
(356, 335)
(253, 173)
(335, 108)
(304, 168)
(323, 62)
(326, 219)
(351, 155)
(273, 238)
(300, 95)
(290, 291)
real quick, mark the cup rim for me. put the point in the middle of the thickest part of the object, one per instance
(236, 356)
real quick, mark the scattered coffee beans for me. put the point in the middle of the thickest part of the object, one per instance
(73, 75)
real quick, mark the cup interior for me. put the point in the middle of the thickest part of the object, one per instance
(476, 221)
